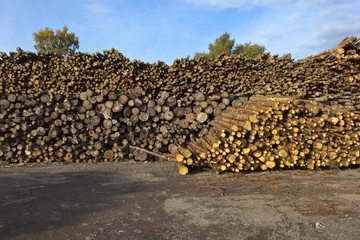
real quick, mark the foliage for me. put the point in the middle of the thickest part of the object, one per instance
(61, 43)
(333, 164)
(201, 54)
(252, 50)
(3, 164)
(224, 44)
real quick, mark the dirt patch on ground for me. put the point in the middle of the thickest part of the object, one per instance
(152, 201)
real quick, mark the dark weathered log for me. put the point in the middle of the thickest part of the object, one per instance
(168, 115)
(148, 152)
(202, 117)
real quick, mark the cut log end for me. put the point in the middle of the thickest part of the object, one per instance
(183, 169)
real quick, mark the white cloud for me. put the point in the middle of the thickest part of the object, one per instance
(245, 4)
(97, 8)
(236, 3)
(302, 27)
(329, 26)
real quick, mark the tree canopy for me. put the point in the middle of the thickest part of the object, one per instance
(61, 43)
(224, 44)
(252, 50)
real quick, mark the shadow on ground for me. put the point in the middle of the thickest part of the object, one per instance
(37, 202)
(152, 201)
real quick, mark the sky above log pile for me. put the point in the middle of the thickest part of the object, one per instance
(169, 29)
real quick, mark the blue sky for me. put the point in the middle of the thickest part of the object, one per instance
(169, 29)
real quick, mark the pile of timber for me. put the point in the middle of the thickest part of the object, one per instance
(104, 107)
(25, 73)
(275, 133)
(331, 74)
(104, 127)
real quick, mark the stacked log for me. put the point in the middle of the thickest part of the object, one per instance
(29, 73)
(104, 107)
(328, 74)
(109, 126)
(276, 133)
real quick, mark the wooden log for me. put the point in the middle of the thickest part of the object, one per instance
(168, 115)
(202, 117)
(183, 169)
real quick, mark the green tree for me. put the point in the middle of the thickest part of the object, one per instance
(61, 43)
(252, 50)
(201, 54)
(223, 44)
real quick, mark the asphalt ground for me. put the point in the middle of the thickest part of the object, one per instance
(152, 201)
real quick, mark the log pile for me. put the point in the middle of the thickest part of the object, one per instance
(275, 133)
(104, 127)
(329, 74)
(29, 73)
(104, 107)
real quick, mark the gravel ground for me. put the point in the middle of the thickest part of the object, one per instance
(152, 201)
